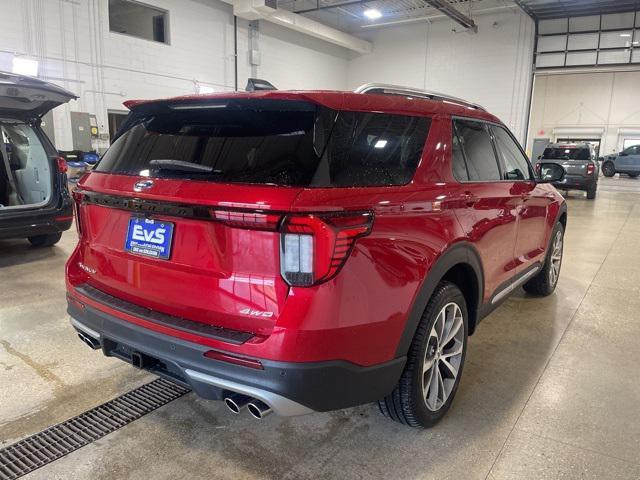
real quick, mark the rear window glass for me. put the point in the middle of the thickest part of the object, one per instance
(552, 153)
(281, 142)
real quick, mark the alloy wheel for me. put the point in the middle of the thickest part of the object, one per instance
(443, 356)
(556, 258)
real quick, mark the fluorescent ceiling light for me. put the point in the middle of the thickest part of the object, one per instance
(25, 66)
(625, 34)
(372, 14)
(380, 144)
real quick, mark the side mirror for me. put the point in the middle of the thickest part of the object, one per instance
(539, 157)
(551, 173)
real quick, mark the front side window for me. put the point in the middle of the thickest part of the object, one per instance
(478, 150)
(514, 163)
(631, 150)
(288, 143)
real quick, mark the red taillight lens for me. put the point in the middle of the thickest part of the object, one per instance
(62, 165)
(314, 248)
(590, 169)
(78, 196)
(251, 220)
(226, 357)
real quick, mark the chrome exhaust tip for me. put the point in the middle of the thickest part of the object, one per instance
(259, 409)
(90, 342)
(237, 402)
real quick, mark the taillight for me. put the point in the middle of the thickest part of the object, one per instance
(313, 248)
(251, 220)
(590, 169)
(78, 196)
(538, 168)
(62, 165)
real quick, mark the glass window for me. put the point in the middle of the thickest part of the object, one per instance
(566, 153)
(287, 143)
(139, 20)
(478, 149)
(515, 164)
(457, 158)
(552, 44)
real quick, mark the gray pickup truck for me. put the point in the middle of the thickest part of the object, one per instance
(580, 163)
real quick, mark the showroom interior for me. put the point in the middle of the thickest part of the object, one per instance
(550, 386)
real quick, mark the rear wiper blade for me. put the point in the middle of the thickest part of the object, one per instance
(181, 166)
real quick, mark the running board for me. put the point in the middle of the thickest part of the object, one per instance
(515, 284)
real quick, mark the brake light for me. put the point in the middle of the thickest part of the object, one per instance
(62, 165)
(78, 196)
(251, 220)
(313, 248)
(590, 169)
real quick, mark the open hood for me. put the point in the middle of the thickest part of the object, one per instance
(29, 98)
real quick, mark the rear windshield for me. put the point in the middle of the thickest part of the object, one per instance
(566, 153)
(287, 143)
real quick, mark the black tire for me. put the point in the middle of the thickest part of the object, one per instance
(407, 403)
(544, 283)
(45, 240)
(591, 192)
(608, 169)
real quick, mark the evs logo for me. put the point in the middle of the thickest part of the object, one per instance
(155, 236)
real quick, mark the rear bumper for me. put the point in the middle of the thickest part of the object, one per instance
(288, 388)
(576, 182)
(31, 223)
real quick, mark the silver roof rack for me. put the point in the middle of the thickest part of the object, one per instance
(386, 89)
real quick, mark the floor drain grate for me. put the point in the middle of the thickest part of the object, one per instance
(55, 442)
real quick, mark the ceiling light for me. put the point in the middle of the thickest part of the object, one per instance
(372, 14)
(625, 34)
(25, 66)
(380, 144)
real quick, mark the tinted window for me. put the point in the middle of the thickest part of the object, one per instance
(478, 149)
(631, 150)
(514, 163)
(566, 153)
(274, 142)
(458, 163)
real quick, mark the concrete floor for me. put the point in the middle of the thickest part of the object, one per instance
(550, 388)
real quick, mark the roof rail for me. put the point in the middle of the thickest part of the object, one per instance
(386, 89)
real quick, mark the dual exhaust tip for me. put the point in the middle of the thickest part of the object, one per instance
(238, 402)
(90, 341)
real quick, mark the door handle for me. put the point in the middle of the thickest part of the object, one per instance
(469, 199)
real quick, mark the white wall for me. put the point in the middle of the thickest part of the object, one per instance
(585, 102)
(492, 67)
(76, 50)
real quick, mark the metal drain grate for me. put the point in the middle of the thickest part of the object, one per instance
(55, 442)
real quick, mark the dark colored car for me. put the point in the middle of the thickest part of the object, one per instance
(580, 163)
(34, 199)
(309, 251)
(627, 162)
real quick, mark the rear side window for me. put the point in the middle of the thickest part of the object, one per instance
(566, 153)
(475, 142)
(514, 163)
(287, 143)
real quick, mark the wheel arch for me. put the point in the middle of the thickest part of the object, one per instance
(459, 264)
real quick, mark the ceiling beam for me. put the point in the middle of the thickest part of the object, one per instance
(456, 15)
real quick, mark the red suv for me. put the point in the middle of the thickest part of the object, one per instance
(309, 251)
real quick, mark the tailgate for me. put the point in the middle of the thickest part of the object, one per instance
(211, 271)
